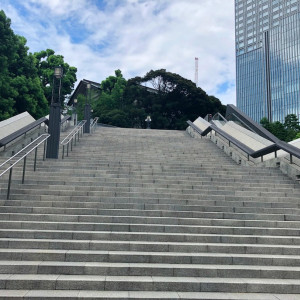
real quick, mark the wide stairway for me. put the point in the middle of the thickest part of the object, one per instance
(148, 214)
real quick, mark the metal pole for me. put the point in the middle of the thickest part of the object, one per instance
(24, 168)
(35, 155)
(9, 183)
(55, 116)
(71, 144)
(45, 147)
(63, 152)
(68, 149)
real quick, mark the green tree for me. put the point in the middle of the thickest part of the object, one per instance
(174, 99)
(30, 96)
(46, 62)
(285, 132)
(291, 124)
(20, 87)
(297, 136)
(80, 107)
(8, 49)
(110, 107)
(170, 103)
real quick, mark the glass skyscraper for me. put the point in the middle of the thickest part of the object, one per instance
(267, 36)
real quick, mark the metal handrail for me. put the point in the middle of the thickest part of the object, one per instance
(23, 153)
(93, 124)
(218, 115)
(6, 140)
(240, 145)
(63, 121)
(75, 133)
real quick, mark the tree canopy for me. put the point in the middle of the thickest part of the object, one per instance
(173, 100)
(170, 102)
(46, 62)
(26, 78)
(287, 131)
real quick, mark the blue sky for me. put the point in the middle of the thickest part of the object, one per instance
(134, 36)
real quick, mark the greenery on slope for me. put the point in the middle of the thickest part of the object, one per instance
(288, 131)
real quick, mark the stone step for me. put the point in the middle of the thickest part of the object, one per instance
(148, 283)
(169, 190)
(172, 179)
(149, 236)
(133, 211)
(147, 269)
(154, 204)
(201, 207)
(103, 183)
(149, 228)
(89, 202)
(125, 295)
(142, 246)
(158, 187)
(222, 200)
(187, 180)
(147, 220)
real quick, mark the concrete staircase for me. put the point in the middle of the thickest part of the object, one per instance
(147, 214)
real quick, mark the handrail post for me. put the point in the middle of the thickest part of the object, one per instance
(35, 156)
(291, 159)
(45, 146)
(24, 168)
(63, 152)
(72, 144)
(9, 183)
(68, 149)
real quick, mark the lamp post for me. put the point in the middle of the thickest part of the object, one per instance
(148, 120)
(54, 115)
(87, 109)
(75, 111)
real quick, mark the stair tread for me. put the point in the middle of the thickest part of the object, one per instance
(124, 295)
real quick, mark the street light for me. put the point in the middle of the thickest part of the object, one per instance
(87, 109)
(54, 115)
(148, 120)
(75, 111)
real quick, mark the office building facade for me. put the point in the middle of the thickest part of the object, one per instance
(268, 58)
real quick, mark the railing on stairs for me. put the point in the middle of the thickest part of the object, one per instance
(73, 136)
(65, 122)
(23, 131)
(93, 124)
(292, 150)
(22, 154)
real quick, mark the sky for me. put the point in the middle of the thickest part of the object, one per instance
(135, 36)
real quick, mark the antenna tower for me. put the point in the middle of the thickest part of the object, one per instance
(196, 71)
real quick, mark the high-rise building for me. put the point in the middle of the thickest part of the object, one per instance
(267, 36)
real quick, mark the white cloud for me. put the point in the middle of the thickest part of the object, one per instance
(135, 36)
